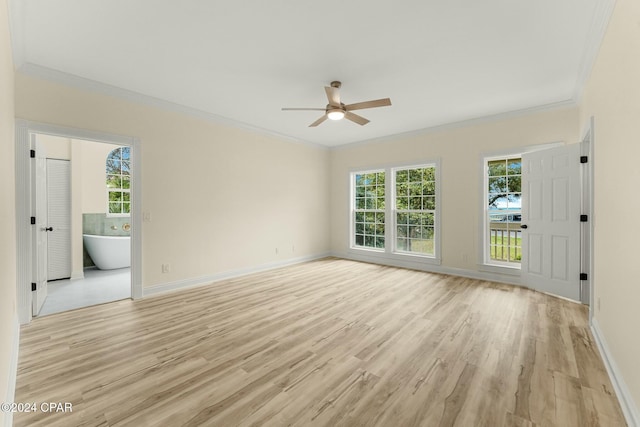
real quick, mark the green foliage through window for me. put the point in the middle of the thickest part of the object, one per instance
(118, 169)
(415, 209)
(369, 206)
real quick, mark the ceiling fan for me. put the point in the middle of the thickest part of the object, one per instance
(336, 110)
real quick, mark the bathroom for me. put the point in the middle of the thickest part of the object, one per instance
(88, 223)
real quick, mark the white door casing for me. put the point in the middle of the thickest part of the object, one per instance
(551, 214)
(40, 230)
(59, 218)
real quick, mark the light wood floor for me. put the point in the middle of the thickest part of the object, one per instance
(330, 342)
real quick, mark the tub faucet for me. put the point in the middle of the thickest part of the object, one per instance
(113, 227)
(126, 226)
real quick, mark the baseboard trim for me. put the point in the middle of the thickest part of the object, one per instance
(200, 281)
(13, 370)
(627, 404)
(75, 275)
(509, 279)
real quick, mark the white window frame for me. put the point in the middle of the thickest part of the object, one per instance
(484, 255)
(390, 252)
(487, 260)
(119, 190)
(353, 210)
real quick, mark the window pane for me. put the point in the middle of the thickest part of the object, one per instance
(515, 184)
(359, 216)
(498, 185)
(497, 167)
(415, 189)
(415, 175)
(126, 207)
(514, 166)
(114, 207)
(113, 181)
(429, 174)
(402, 203)
(380, 203)
(429, 188)
(428, 203)
(379, 242)
(379, 217)
(415, 203)
(401, 244)
(401, 176)
(497, 201)
(360, 203)
(402, 231)
(402, 218)
(360, 191)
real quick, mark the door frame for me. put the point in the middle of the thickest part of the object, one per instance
(24, 263)
(587, 232)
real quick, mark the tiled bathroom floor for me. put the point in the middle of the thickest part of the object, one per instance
(97, 287)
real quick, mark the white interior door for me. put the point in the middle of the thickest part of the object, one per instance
(41, 227)
(59, 219)
(551, 220)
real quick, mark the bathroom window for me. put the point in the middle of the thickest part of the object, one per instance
(119, 181)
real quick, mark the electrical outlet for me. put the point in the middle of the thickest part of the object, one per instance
(276, 251)
(293, 248)
(465, 257)
(166, 268)
(146, 216)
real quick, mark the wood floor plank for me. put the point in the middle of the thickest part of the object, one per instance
(327, 343)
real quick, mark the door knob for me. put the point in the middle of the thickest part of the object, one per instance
(524, 226)
(48, 229)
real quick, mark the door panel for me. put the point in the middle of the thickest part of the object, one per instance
(59, 217)
(551, 212)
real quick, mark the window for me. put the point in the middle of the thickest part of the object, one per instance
(395, 211)
(119, 181)
(369, 209)
(503, 211)
(415, 209)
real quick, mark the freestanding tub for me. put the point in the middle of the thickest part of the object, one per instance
(108, 252)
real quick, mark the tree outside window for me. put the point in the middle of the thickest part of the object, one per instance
(118, 168)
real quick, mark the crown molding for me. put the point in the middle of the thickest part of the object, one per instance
(70, 80)
(600, 20)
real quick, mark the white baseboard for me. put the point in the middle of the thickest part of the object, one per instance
(13, 371)
(199, 281)
(77, 275)
(629, 407)
(433, 268)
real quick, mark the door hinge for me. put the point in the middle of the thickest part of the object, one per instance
(32, 154)
(584, 159)
(33, 220)
(584, 218)
(34, 287)
(583, 276)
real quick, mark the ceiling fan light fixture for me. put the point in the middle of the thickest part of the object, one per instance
(335, 114)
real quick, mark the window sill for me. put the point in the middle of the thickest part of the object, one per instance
(500, 269)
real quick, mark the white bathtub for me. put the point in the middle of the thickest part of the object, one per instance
(108, 252)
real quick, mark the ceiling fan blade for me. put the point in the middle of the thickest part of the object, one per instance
(356, 118)
(317, 122)
(384, 102)
(333, 95)
(303, 109)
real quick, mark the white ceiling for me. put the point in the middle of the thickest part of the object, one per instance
(439, 62)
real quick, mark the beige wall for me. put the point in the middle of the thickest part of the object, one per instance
(220, 199)
(612, 97)
(8, 314)
(460, 153)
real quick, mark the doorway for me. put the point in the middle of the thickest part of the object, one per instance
(85, 284)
